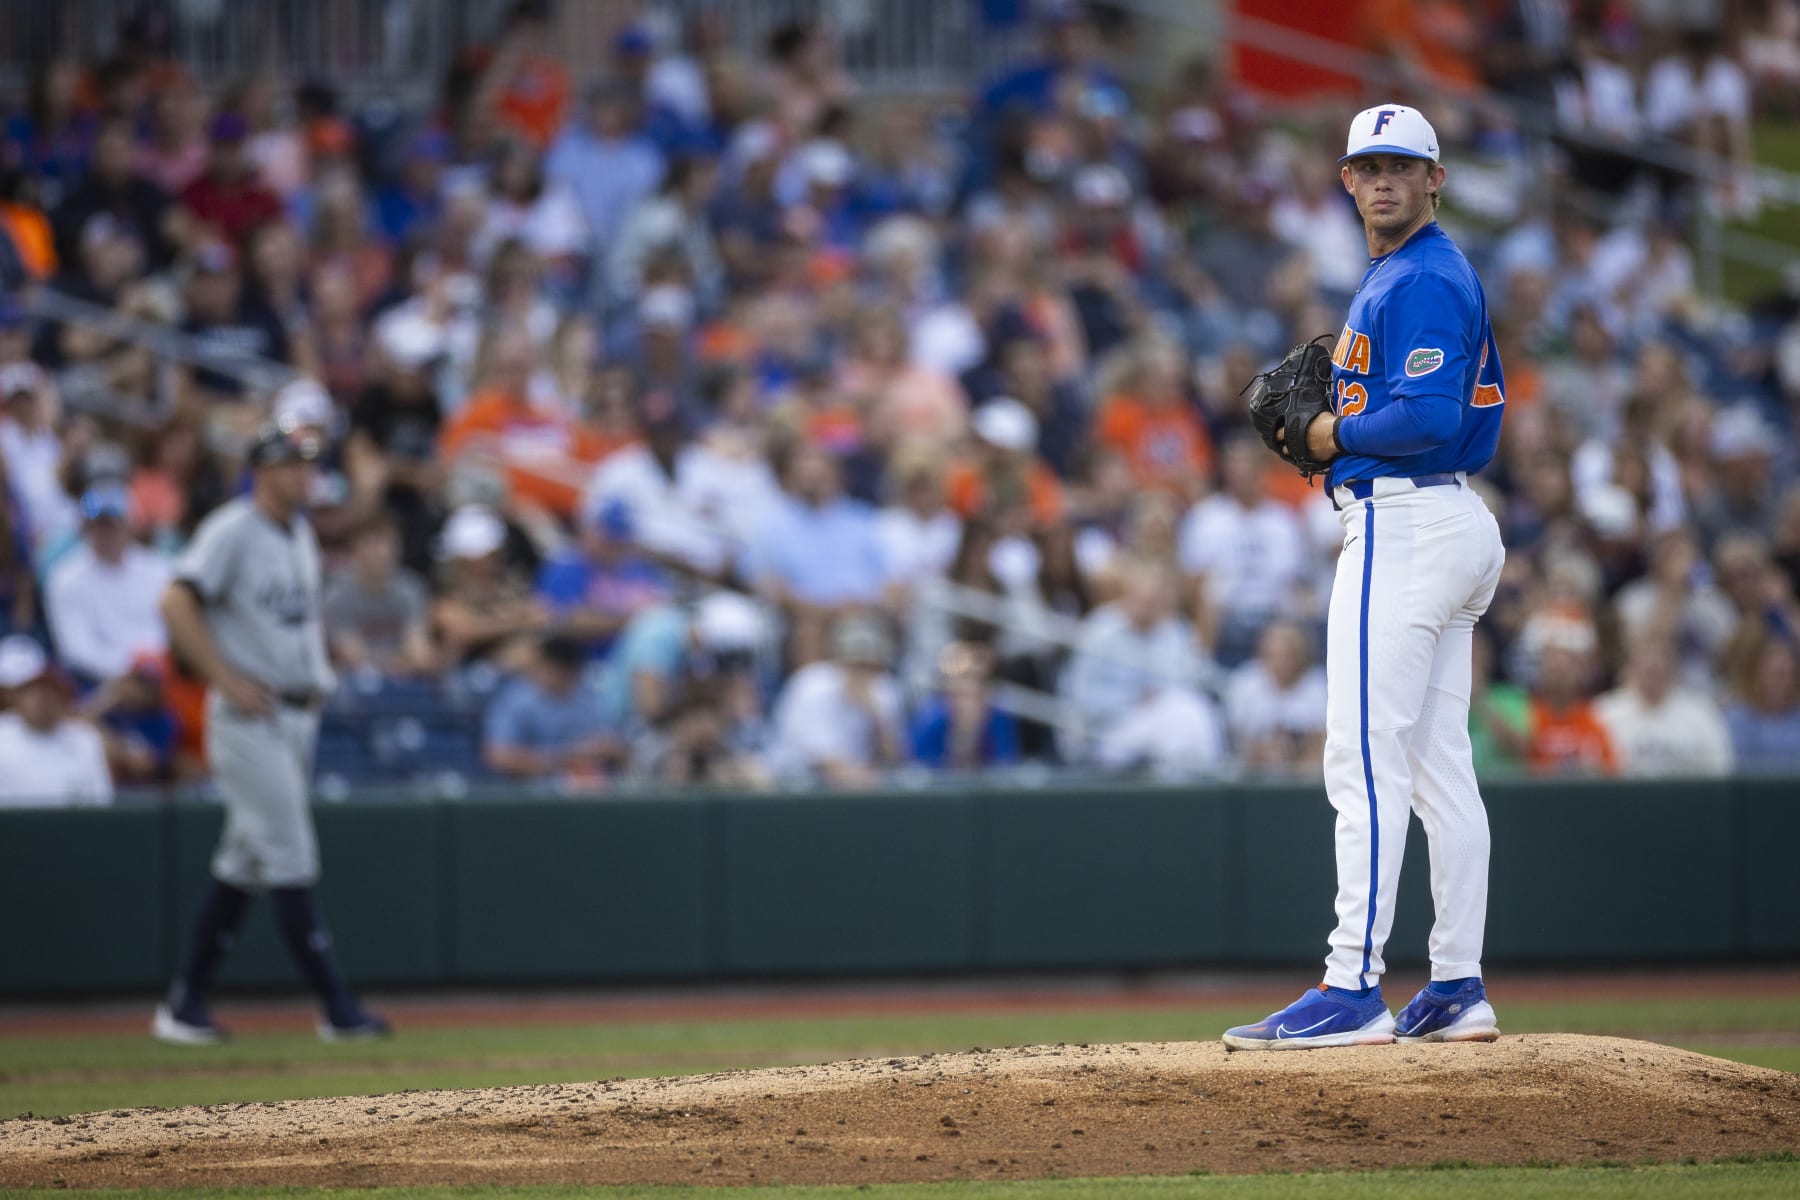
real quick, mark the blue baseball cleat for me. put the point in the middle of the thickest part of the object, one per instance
(1322, 1017)
(1463, 1016)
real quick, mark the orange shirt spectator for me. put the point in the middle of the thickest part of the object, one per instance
(1166, 445)
(546, 459)
(1569, 741)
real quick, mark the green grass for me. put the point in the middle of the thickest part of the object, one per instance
(1713, 1181)
(55, 1075)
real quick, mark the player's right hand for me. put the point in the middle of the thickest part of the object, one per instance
(247, 695)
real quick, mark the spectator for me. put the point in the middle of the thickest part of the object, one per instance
(18, 582)
(901, 400)
(544, 215)
(543, 726)
(1657, 727)
(227, 201)
(114, 188)
(409, 206)
(1004, 471)
(1019, 367)
(33, 455)
(174, 154)
(1246, 552)
(1275, 704)
(1499, 712)
(1675, 598)
(543, 453)
(103, 597)
(671, 226)
(1765, 718)
(522, 85)
(233, 333)
(1699, 96)
(1148, 417)
(839, 720)
(136, 724)
(1743, 497)
(960, 728)
(47, 757)
(596, 586)
(713, 728)
(391, 451)
(485, 607)
(1566, 734)
(918, 534)
(819, 557)
(377, 613)
(1131, 653)
(607, 166)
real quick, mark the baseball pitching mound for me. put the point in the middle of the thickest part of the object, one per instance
(1043, 1110)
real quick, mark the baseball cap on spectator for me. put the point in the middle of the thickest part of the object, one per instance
(230, 127)
(22, 660)
(1556, 629)
(473, 531)
(1101, 185)
(1391, 129)
(302, 402)
(1007, 424)
(862, 641)
(1610, 511)
(667, 306)
(613, 520)
(633, 41)
(825, 163)
(726, 621)
(105, 502)
(1740, 432)
(278, 444)
(20, 379)
(410, 341)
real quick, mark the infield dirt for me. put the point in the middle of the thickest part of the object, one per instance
(1163, 1108)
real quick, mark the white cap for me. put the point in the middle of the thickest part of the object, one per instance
(826, 163)
(727, 621)
(1006, 423)
(410, 341)
(1391, 129)
(21, 661)
(1101, 185)
(1741, 432)
(302, 402)
(666, 306)
(473, 531)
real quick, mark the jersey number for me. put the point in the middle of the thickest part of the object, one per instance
(1487, 395)
(1352, 398)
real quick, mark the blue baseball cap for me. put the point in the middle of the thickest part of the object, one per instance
(1391, 129)
(105, 501)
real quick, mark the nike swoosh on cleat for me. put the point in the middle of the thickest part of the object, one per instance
(1282, 1031)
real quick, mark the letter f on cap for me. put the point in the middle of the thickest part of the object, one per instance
(1382, 118)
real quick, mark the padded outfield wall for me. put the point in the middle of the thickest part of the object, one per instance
(674, 887)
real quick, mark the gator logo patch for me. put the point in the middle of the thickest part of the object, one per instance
(1423, 362)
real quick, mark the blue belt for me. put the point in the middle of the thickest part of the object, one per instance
(1362, 489)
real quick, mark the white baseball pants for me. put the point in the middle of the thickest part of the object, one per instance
(1418, 568)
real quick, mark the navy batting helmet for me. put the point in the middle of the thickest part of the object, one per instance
(275, 444)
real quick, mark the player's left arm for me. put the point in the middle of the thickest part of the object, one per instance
(1426, 346)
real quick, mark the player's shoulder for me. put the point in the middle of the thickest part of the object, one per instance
(227, 516)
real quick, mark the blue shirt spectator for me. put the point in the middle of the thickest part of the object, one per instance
(1765, 724)
(820, 548)
(608, 167)
(543, 724)
(594, 589)
(993, 739)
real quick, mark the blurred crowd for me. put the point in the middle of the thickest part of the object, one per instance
(707, 420)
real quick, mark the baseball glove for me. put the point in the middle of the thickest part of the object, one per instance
(1284, 402)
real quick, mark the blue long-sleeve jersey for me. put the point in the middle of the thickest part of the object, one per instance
(1416, 375)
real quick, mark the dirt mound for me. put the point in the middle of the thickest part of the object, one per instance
(1021, 1113)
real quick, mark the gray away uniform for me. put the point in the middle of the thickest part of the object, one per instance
(260, 587)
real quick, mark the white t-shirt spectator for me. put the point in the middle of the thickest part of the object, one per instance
(916, 548)
(1252, 559)
(1674, 98)
(32, 461)
(816, 722)
(1116, 666)
(552, 225)
(63, 768)
(1177, 731)
(1256, 707)
(1685, 734)
(101, 615)
(712, 510)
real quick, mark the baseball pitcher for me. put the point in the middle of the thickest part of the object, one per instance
(243, 611)
(1397, 416)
